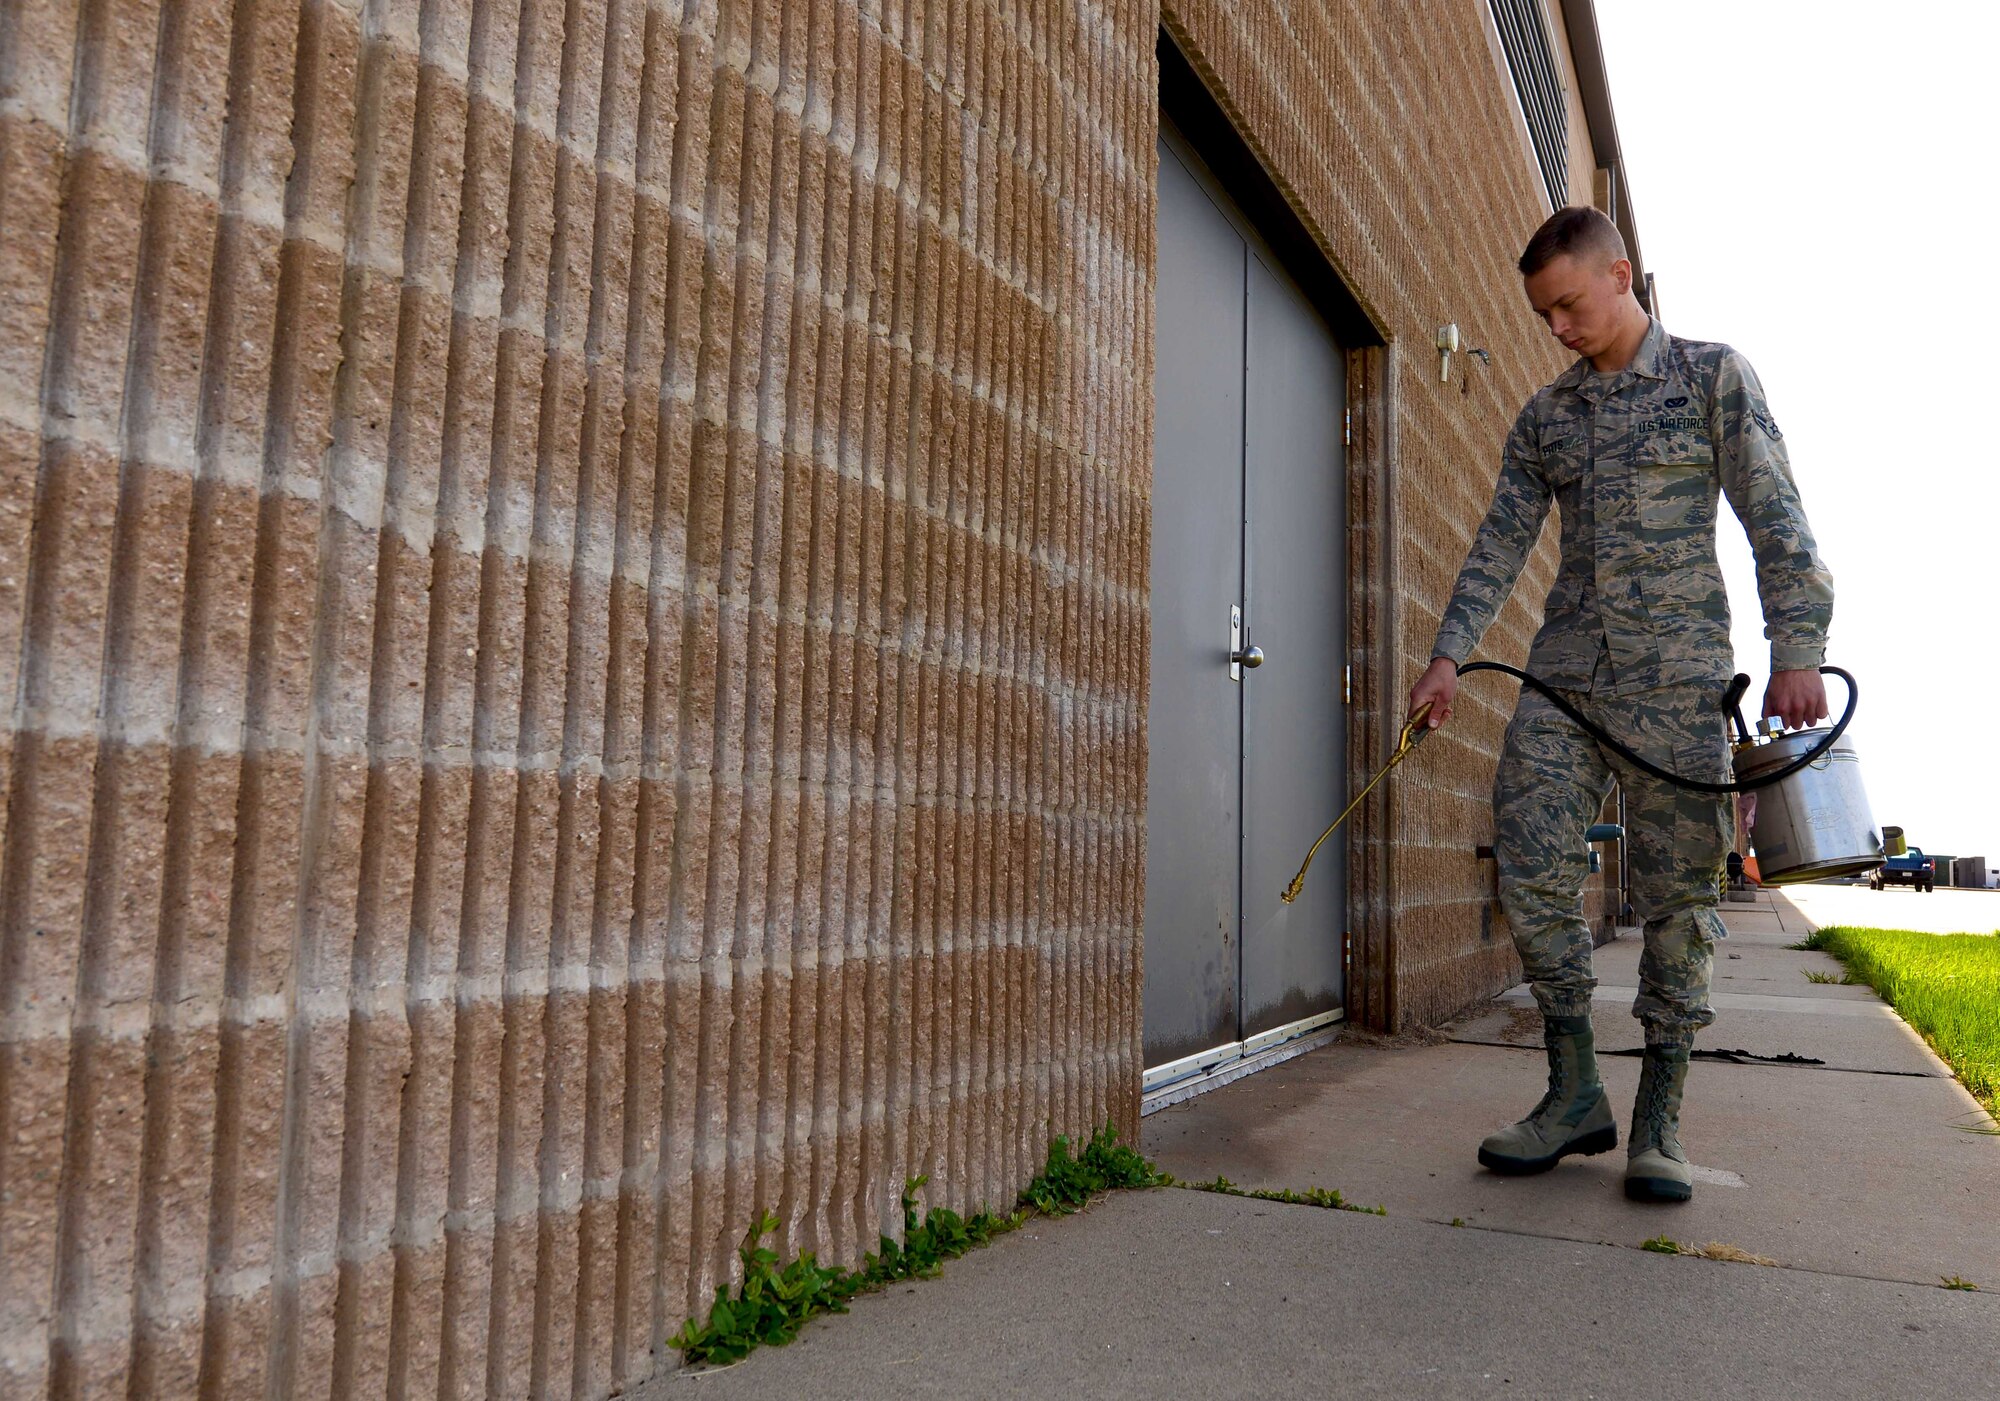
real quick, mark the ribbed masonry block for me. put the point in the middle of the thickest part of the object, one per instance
(571, 603)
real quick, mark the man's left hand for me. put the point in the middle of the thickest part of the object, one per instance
(1798, 697)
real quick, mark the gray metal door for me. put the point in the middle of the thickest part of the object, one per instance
(1294, 782)
(1249, 515)
(1194, 711)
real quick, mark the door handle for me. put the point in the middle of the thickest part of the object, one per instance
(1239, 655)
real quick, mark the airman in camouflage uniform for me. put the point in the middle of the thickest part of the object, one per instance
(1636, 635)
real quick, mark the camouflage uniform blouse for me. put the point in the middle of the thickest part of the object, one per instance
(1635, 460)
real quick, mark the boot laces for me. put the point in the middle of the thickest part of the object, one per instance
(1559, 1087)
(1660, 1126)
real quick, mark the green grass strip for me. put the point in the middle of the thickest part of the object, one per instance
(776, 1299)
(1947, 986)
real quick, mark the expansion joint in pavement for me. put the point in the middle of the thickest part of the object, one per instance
(1666, 1222)
(1739, 1058)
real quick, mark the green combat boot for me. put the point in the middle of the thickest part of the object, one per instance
(1656, 1169)
(1573, 1117)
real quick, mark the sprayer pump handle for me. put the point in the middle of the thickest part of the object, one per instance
(1732, 704)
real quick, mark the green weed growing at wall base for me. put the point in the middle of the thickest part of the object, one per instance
(774, 1301)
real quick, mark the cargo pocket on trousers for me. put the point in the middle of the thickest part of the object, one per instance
(1704, 823)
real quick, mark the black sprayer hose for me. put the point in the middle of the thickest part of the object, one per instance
(1744, 786)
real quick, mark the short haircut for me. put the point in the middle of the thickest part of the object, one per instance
(1579, 231)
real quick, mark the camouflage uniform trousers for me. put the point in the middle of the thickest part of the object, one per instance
(1552, 783)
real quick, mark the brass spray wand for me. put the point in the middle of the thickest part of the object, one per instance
(1415, 732)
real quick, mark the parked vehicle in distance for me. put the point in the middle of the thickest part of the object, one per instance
(1911, 867)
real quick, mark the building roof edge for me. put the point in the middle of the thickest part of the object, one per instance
(1594, 87)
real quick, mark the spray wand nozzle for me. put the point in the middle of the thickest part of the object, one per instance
(1415, 732)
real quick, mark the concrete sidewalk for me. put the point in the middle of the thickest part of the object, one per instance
(1832, 1143)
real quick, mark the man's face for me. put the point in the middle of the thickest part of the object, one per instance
(1582, 301)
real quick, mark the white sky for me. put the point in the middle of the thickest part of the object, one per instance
(1815, 184)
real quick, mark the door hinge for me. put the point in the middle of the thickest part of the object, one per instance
(1347, 686)
(1347, 948)
(1347, 427)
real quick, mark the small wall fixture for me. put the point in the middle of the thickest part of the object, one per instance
(1449, 343)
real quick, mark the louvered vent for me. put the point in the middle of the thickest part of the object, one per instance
(1524, 33)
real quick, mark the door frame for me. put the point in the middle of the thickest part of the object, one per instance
(1243, 1050)
(1190, 109)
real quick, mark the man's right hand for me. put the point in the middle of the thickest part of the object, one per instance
(1439, 686)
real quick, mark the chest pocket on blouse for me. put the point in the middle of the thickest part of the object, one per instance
(1676, 480)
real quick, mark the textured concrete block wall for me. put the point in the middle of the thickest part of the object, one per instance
(1394, 131)
(572, 618)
